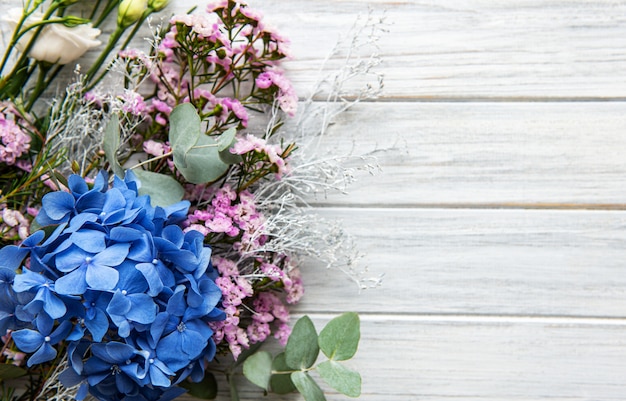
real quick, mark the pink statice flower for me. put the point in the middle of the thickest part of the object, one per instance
(14, 141)
(293, 285)
(13, 224)
(285, 93)
(133, 103)
(251, 143)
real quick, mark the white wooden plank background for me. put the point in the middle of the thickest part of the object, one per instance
(499, 216)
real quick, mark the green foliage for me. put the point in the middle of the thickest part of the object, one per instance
(197, 156)
(111, 143)
(258, 369)
(163, 189)
(340, 338)
(302, 348)
(205, 390)
(340, 378)
(224, 143)
(289, 371)
(281, 383)
(10, 371)
(185, 129)
(307, 386)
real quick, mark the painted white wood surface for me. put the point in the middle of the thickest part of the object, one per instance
(500, 114)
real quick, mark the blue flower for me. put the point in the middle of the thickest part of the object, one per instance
(121, 283)
(45, 297)
(86, 270)
(40, 341)
(113, 368)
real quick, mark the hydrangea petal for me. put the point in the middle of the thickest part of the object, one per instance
(53, 305)
(72, 283)
(151, 275)
(101, 277)
(112, 256)
(92, 241)
(27, 340)
(58, 205)
(11, 256)
(45, 353)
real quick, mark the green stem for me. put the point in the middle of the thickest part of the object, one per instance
(16, 35)
(234, 394)
(117, 34)
(40, 86)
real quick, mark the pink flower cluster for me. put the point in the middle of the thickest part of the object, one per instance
(261, 312)
(285, 94)
(262, 152)
(232, 50)
(14, 141)
(233, 215)
(13, 224)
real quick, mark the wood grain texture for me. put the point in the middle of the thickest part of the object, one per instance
(489, 154)
(412, 359)
(469, 49)
(492, 108)
(476, 262)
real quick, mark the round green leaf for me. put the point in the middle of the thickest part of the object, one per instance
(201, 163)
(302, 348)
(340, 378)
(339, 340)
(226, 139)
(111, 142)
(205, 389)
(258, 369)
(185, 130)
(307, 386)
(163, 189)
(281, 383)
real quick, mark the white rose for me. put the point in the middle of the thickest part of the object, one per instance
(56, 43)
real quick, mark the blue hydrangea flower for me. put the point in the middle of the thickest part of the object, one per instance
(119, 281)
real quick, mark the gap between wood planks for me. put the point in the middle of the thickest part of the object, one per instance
(480, 206)
(475, 318)
(477, 99)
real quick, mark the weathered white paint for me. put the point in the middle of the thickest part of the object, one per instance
(486, 153)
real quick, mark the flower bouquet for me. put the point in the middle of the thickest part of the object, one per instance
(152, 227)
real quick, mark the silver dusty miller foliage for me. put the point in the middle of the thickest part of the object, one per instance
(292, 225)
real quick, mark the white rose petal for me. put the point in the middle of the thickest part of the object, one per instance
(56, 43)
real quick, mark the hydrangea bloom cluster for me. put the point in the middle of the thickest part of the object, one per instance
(120, 283)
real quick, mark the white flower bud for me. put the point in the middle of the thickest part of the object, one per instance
(157, 5)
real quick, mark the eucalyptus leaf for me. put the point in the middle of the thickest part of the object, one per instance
(339, 340)
(111, 143)
(202, 162)
(8, 371)
(342, 379)
(246, 353)
(185, 130)
(206, 389)
(302, 348)
(226, 139)
(258, 369)
(307, 386)
(163, 189)
(230, 158)
(281, 383)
